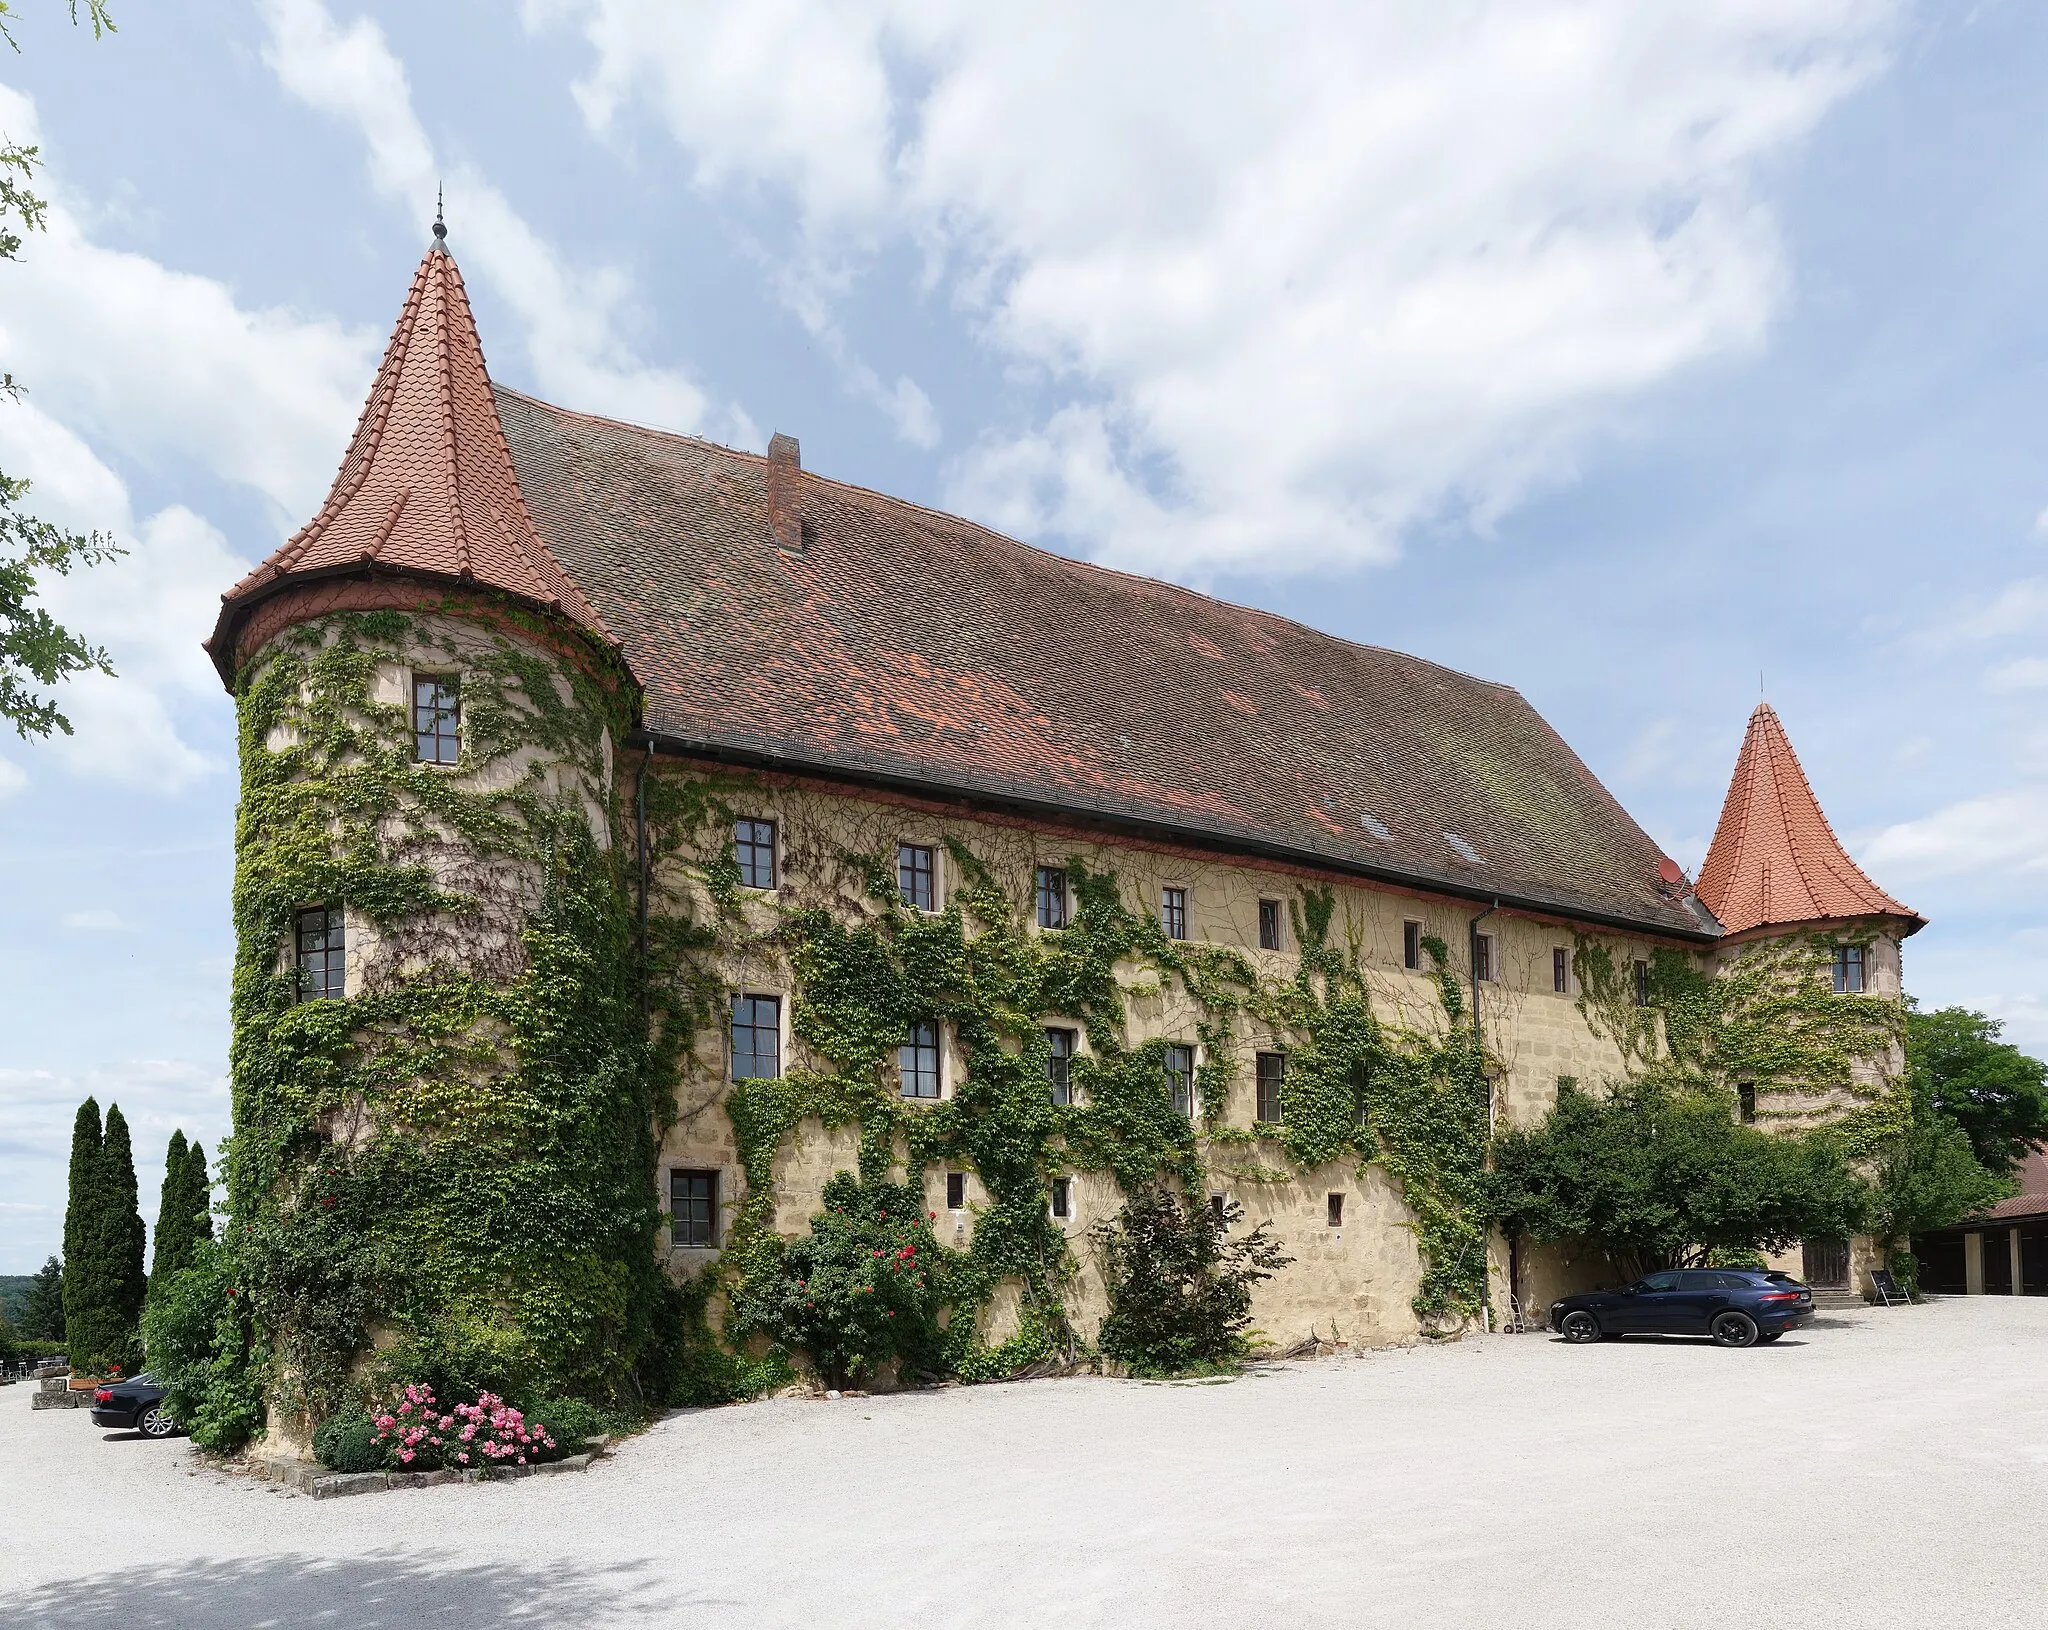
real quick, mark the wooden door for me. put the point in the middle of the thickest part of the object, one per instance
(1826, 1263)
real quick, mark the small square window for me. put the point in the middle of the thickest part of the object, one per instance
(917, 876)
(1848, 969)
(1336, 1210)
(1180, 1080)
(1411, 945)
(917, 1062)
(1745, 1101)
(956, 1191)
(1269, 926)
(1173, 913)
(1219, 1208)
(754, 848)
(436, 719)
(1059, 1065)
(1560, 970)
(756, 1038)
(1271, 1070)
(1482, 956)
(693, 1209)
(322, 955)
(1642, 984)
(1052, 897)
(1062, 1198)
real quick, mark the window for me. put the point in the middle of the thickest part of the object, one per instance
(322, 954)
(1180, 1079)
(1059, 1065)
(917, 1062)
(1642, 984)
(916, 876)
(1269, 925)
(1745, 1100)
(1482, 956)
(1052, 897)
(1173, 913)
(1848, 968)
(437, 719)
(1661, 1281)
(956, 1191)
(754, 847)
(1062, 1198)
(1271, 1070)
(1560, 970)
(693, 1209)
(1336, 1210)
(756, 1038)
(1219, 1208)
(1411, 945)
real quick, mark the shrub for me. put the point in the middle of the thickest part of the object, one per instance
(348, 1443)
(1180, 1289)
(860, 1290)
(570, 1420)
(422, 1434)
(199, 1344)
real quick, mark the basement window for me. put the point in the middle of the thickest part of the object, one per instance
(1062, 1198)
(756, 1038)
(917, 876)
(1180, 1080)
(1051, 891)
(1059, 1065)
(1271, 1071)
(1336, 1210)
(322, 954)
(1411, 945)
(917, 1062)
(1173, 913)
(436, 719)
(1848, 969)
(1269, 925)
(693, 1209)
(956, 1191)
(754, 849)
(1560, 970)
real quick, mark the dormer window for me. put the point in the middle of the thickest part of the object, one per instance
(1848, 969)
(436, 718)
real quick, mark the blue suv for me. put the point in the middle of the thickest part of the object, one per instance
(1738, 1307)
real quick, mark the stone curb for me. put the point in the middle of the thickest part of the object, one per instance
(60, 1398)
(321, 1484)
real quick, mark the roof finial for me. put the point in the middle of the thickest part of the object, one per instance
(440, 226)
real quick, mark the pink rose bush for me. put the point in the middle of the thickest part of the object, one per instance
(423, 1435)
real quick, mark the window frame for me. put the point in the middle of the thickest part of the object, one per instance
(1485, 965)
(1333, 1211)
(1173, 911)
(743, 840)
(754, 1028)
(446, 711)
(334, 957)
(1059, 1063)
(1411, 945)
(1061, 1205)
(1848, 958)
(956, 1184)
(677, 1241)
(1560, 971)
(1745, 1102)
(1049, 897)
(1186, 1080)
(1272, 927)
(913, 1045)
(930, 852)
(1269, 1090)
(1641, 978)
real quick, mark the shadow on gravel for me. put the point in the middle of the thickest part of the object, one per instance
(380, 1591)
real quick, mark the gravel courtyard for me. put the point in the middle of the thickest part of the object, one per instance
(1881, 1468)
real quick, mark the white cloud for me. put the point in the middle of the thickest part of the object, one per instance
(572, 316)
(2027, 673)
(2004, 833)
(1299, 278)
(96, 922)
(12, 778)
(2019, 608)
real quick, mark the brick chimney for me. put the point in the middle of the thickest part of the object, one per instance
(785, 493)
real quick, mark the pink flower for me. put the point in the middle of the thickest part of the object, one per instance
(405, 1454)
(464, 1458)
(405, 1408)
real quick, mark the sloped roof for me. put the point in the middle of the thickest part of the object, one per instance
(427, 485)
(1774, 859)
(914, 647)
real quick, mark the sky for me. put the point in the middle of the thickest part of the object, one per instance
(1648, 359)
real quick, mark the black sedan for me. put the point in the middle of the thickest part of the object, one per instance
(137, 1405)
(1738, 1307)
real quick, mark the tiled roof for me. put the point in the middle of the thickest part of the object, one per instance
(895, 643)
(426, 485)
(2032, 1199)
(1774, 859)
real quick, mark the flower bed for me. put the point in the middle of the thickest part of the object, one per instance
(420, 1435)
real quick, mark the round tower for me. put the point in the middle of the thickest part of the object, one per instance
(442, 1160)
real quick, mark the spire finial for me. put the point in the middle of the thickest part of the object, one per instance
(440, 226)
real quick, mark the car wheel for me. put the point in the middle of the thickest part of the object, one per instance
(1732, 1329)
(155, 1423)
(1580, 1327)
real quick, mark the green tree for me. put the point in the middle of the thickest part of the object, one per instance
(83, 1321)
(42, 1313)
(1662, 1175)
(200, 1344)
(124, 1237)
(199, 1187)
(180, 1213)
(1997, 1094)
(103, 1239)
(1180, 1289)
(1928, 1178)
(36, 650)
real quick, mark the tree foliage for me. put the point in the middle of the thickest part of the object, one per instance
(201, 1345)
(1180, 1288)
(42, 1311)
(1929, 1178)
(181, 1217)
(1662, 1175)
(103, 1240)
(1995, 1093)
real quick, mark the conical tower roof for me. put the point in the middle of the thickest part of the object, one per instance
(427, 486)
(1775, 860)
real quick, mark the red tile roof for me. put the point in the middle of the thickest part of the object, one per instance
(1774, 859)
(427, 485)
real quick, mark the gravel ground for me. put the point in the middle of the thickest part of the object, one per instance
(1880, 1468)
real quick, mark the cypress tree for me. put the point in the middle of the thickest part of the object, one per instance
(200, 1187)
(81, 1234)
(172, 1248)
(124, 1237)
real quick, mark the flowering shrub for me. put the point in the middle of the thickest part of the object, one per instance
(423, 1435)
